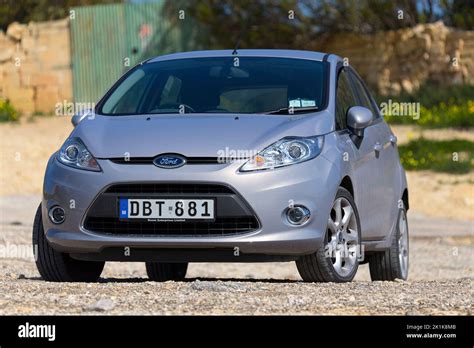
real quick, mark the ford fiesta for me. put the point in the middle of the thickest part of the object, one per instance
(221, 156)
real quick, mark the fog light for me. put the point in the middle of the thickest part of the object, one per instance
(298, 215)
(56, 215)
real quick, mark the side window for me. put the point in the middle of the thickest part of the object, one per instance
(345, 99)
(365, 99)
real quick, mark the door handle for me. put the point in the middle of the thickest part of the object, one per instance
(377, 147)
(393, 139)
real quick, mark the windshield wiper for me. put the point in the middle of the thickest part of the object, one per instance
(295, 110)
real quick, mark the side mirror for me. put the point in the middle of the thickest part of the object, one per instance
(359, 118)
(77, 118)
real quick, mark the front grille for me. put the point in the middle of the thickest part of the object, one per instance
(170, 188)
(219, 227)
(233, 214)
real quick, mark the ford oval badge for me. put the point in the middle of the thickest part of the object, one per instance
(169, 161)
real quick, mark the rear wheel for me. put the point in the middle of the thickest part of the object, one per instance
(337, 261)
(161, 272)
(392, 264)
(60, 267)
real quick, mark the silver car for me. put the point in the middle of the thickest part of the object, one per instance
(226, 156)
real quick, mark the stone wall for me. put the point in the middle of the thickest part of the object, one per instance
(403, 59)
(35, 65)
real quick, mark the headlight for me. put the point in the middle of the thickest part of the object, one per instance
(285, 152)
(75, 154)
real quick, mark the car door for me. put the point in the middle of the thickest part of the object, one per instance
(361, 157)
(375, 169)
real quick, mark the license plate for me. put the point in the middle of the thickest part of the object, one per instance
(167, 209)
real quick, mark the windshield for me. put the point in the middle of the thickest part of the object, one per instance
(220, 85)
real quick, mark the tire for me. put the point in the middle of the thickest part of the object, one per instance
(388, 264)
(161, 272)
(55, 266)
(321, 266)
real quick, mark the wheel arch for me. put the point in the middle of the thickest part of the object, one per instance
(346, 183)
(405, 199)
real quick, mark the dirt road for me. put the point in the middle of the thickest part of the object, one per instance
(440, 281)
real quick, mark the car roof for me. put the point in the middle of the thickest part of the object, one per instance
(311, 55)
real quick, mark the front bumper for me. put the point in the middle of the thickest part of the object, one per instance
(268, 193)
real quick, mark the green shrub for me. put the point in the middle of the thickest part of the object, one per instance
(449, 156)
(7, 111)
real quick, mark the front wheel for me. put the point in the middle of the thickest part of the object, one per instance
(337, 261)
(55, 266)
(392, 264)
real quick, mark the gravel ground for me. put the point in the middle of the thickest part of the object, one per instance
(440, 282)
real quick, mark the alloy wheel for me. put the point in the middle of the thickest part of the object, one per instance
(403, 244)
(343, 237)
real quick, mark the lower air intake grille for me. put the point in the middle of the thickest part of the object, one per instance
(219, 227)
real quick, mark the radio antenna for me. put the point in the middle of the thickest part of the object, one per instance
(243, 31)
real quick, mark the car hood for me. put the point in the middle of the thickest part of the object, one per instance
(193, 135)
